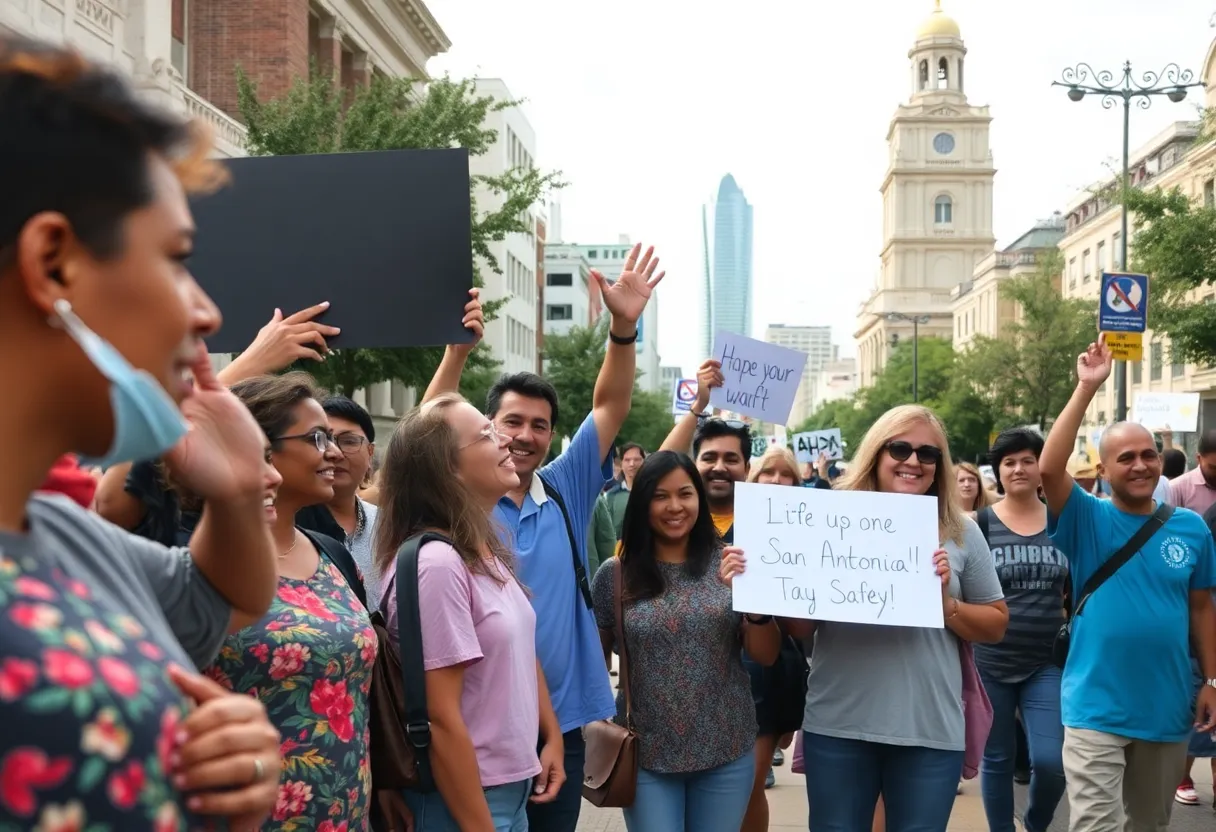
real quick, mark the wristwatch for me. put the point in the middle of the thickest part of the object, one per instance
(1210, 682)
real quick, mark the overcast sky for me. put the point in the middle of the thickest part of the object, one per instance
(645, 105)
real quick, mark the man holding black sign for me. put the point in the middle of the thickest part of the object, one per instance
(1142, 576)
(549, 514)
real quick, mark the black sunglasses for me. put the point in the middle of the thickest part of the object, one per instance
(735, 424)
(925, 454)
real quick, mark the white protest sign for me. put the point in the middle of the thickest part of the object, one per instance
(761, 379)
(683, 396)
(808, 446)
(1178, 412)
(856, 556)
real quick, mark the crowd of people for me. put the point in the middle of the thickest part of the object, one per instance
(202, 584)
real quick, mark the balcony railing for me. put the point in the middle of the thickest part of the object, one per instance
(230, 134)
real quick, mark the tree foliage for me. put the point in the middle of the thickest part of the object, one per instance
(1176, 245)
(318, 116)
(966, 414)
(1026, 373)
(572, 364)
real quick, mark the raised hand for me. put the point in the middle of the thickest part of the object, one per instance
(222, 455)
(474, 321)
(733, 563)
(709, 376)
(1093, 365)
(626, 298)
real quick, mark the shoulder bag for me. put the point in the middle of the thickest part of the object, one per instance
(1059, 648)
(610, 774)
(400, 724)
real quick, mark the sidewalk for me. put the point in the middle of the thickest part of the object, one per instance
(787, 808)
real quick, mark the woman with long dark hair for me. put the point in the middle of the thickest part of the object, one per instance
(681, 635)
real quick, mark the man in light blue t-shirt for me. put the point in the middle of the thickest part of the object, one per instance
(553, 505)
(1127, 695)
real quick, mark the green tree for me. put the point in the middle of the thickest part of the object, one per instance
(318, 116)
(649, 420)
(1176, 245)
(1026, 374)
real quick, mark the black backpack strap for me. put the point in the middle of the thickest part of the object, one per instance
(983, 519)
(409, 641)
(1104, 572)
(580, 571)
(340, 556)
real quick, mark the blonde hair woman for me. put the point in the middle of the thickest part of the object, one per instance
(884, 713)
(973, 493)
(778, 466)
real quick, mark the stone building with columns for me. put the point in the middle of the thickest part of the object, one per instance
(185, 53)
(936, 196)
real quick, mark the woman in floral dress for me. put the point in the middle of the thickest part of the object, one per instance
(310, 658)
(99, 321)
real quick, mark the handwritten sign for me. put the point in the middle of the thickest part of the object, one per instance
(761, 379)
(854, 556)
(1178, 412)
(808, 446)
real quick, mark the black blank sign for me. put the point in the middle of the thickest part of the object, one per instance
(384, 237)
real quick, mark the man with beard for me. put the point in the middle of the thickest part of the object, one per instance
(1196, 489)
(548, 516)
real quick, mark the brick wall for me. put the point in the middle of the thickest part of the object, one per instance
(269, 39)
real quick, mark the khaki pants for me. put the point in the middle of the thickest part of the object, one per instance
(1116, 784)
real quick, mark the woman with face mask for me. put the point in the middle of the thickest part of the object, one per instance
(96, 626)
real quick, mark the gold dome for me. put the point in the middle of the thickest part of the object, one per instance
(938, 25)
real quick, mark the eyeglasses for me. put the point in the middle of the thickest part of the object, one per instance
(925, 454)
(350, 443)
(322, 439)
(490, 432)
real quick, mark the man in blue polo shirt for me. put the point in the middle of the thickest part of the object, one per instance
(552, 509)
(1127, 697)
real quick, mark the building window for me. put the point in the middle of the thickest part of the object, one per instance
(1177, 370)
(1072, 272)
(559, 312)
(943, 210)
(177, 45)
(924, 75)
(1085, 273)
(1137, 371)
(559, 280)
(1100, 260)
(1209, 194)
(960, 73)
(943, 74)
(591, 254)
(1155, 361)
(1115, 254)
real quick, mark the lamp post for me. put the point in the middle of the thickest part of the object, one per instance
(916, 321)
(1173, 82)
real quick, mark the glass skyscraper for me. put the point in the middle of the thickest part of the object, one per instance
(726, 232)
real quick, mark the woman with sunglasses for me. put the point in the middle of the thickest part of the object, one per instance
(884, 714)
(310, 658)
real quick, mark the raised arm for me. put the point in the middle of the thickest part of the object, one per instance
(280, 343)
(113, 502)
(1093, 368)
(455, 356)
(709, 376)
(625, 299)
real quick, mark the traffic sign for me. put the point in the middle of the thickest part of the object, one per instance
(1126, 346)
(1123, 306)
(683, 396)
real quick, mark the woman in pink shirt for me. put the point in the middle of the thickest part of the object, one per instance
(445, 469)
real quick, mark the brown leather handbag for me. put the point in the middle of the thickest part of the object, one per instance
(610, 774)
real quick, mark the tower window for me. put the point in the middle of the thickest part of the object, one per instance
(924, 75)
(943, 210)
(960, 73)
(943, 74)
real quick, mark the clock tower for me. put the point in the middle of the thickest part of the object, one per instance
(936, 199)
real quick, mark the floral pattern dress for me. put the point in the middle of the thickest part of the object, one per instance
(87, 714)
(309, 660)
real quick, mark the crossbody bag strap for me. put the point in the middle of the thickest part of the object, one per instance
(1116, 561)
(409, 640)
(580, 571)
(618, 626)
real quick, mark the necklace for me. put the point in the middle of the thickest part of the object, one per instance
(294, 540)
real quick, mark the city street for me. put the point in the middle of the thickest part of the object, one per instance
(788, 806)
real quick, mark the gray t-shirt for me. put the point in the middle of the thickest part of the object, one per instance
(159, 587)
(361, 549)
(1033, 574)
(899, 685)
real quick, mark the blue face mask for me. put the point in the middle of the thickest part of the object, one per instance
(146, 421)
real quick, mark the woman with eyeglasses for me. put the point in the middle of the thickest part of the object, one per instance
(309, 659)
(884, 712)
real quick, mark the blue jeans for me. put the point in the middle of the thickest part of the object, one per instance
(507, 809)
(1038, 699)
(844, 779)
(562, 814)
(714, 800)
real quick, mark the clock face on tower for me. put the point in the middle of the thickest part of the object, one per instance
(943, 143)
